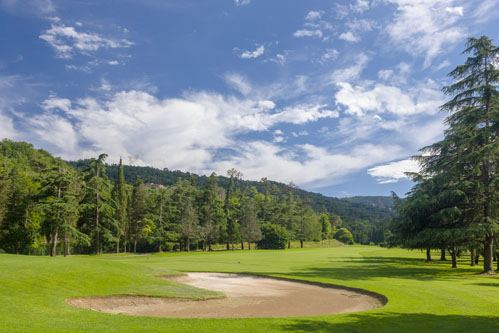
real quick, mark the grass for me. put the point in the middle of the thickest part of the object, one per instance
(422, 297)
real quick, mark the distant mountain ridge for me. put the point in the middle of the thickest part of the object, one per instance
(369, 208)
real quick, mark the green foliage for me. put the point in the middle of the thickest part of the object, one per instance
(344, 236)
(455, 201)
(273, 237)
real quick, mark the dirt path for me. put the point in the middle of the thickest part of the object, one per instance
(247, 297)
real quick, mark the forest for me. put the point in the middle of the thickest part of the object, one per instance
(454, 204)
(49, 206)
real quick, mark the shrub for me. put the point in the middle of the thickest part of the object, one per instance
(273, 237)
(344, 236)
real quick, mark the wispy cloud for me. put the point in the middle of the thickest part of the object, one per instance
(67, 40)
(426, 28)
(308, 33)
(242, 2)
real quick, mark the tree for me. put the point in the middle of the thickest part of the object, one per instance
(97, 201)
(248, 221)
(120, 199)
(326, 230)
(57, 200)
(138, 210)
(188, 224)
(273, 237)
(469, 152)
(344, 236)
(212, 215)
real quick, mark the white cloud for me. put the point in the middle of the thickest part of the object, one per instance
(352, 72)
(360, 6)
(242, 2)
(330, 54)
(7, 130)
(349, 37)
(255, 54)
(177, 133)
(423, 27)
(358, 100)
(314, 15)
(297, 134)
(54, 103)
(394, 171)
(37, 7)
(308, 33)
(455, 10)
(486, 10)
(67, 40)
(306, 165)
(113, 62)
(238, 82)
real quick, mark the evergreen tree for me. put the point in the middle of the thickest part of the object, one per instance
(469, 152)
(138, 211)
(120, 199)
(189, 227)
(249, 228)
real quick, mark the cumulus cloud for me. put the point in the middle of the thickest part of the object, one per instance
(67, 40)
(394, 171)
(175, 133)
(253, 54)
(314, 15)
(349, 37)
(380, 98)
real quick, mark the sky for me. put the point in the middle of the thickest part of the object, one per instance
(334, 96)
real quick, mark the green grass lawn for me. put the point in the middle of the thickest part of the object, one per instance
(421, 297)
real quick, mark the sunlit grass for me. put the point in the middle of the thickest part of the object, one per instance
(422, 297)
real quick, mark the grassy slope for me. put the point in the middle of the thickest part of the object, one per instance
(422, 297)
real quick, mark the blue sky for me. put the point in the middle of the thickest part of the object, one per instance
(334, 96)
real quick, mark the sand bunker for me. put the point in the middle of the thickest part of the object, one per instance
(247, 297)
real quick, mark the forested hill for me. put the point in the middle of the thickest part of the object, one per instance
(369, 208)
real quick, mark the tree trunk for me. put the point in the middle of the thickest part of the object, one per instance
(242, 245)
(53, 252)
(66, 244)
(454, 257)
(249, 245)
(477, 257)
(301, 244)
(118, 246)
(428, 255)
(135, 244)
(472, 256)
(442, 255)
(289, 244)
(209, 246)
(124, 239)
(159, 246)
(187, 245)
(488, 264)
(228, 246)
(97, 234)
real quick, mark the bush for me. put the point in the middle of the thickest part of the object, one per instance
(274, 237)
(344, 236)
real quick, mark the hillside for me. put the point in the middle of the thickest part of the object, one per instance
(369, 208)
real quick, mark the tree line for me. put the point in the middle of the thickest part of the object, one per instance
(47, 206)
(454, 205)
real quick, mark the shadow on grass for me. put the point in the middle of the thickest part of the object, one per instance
(395, 267)
(487, 284)
(395, 322)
